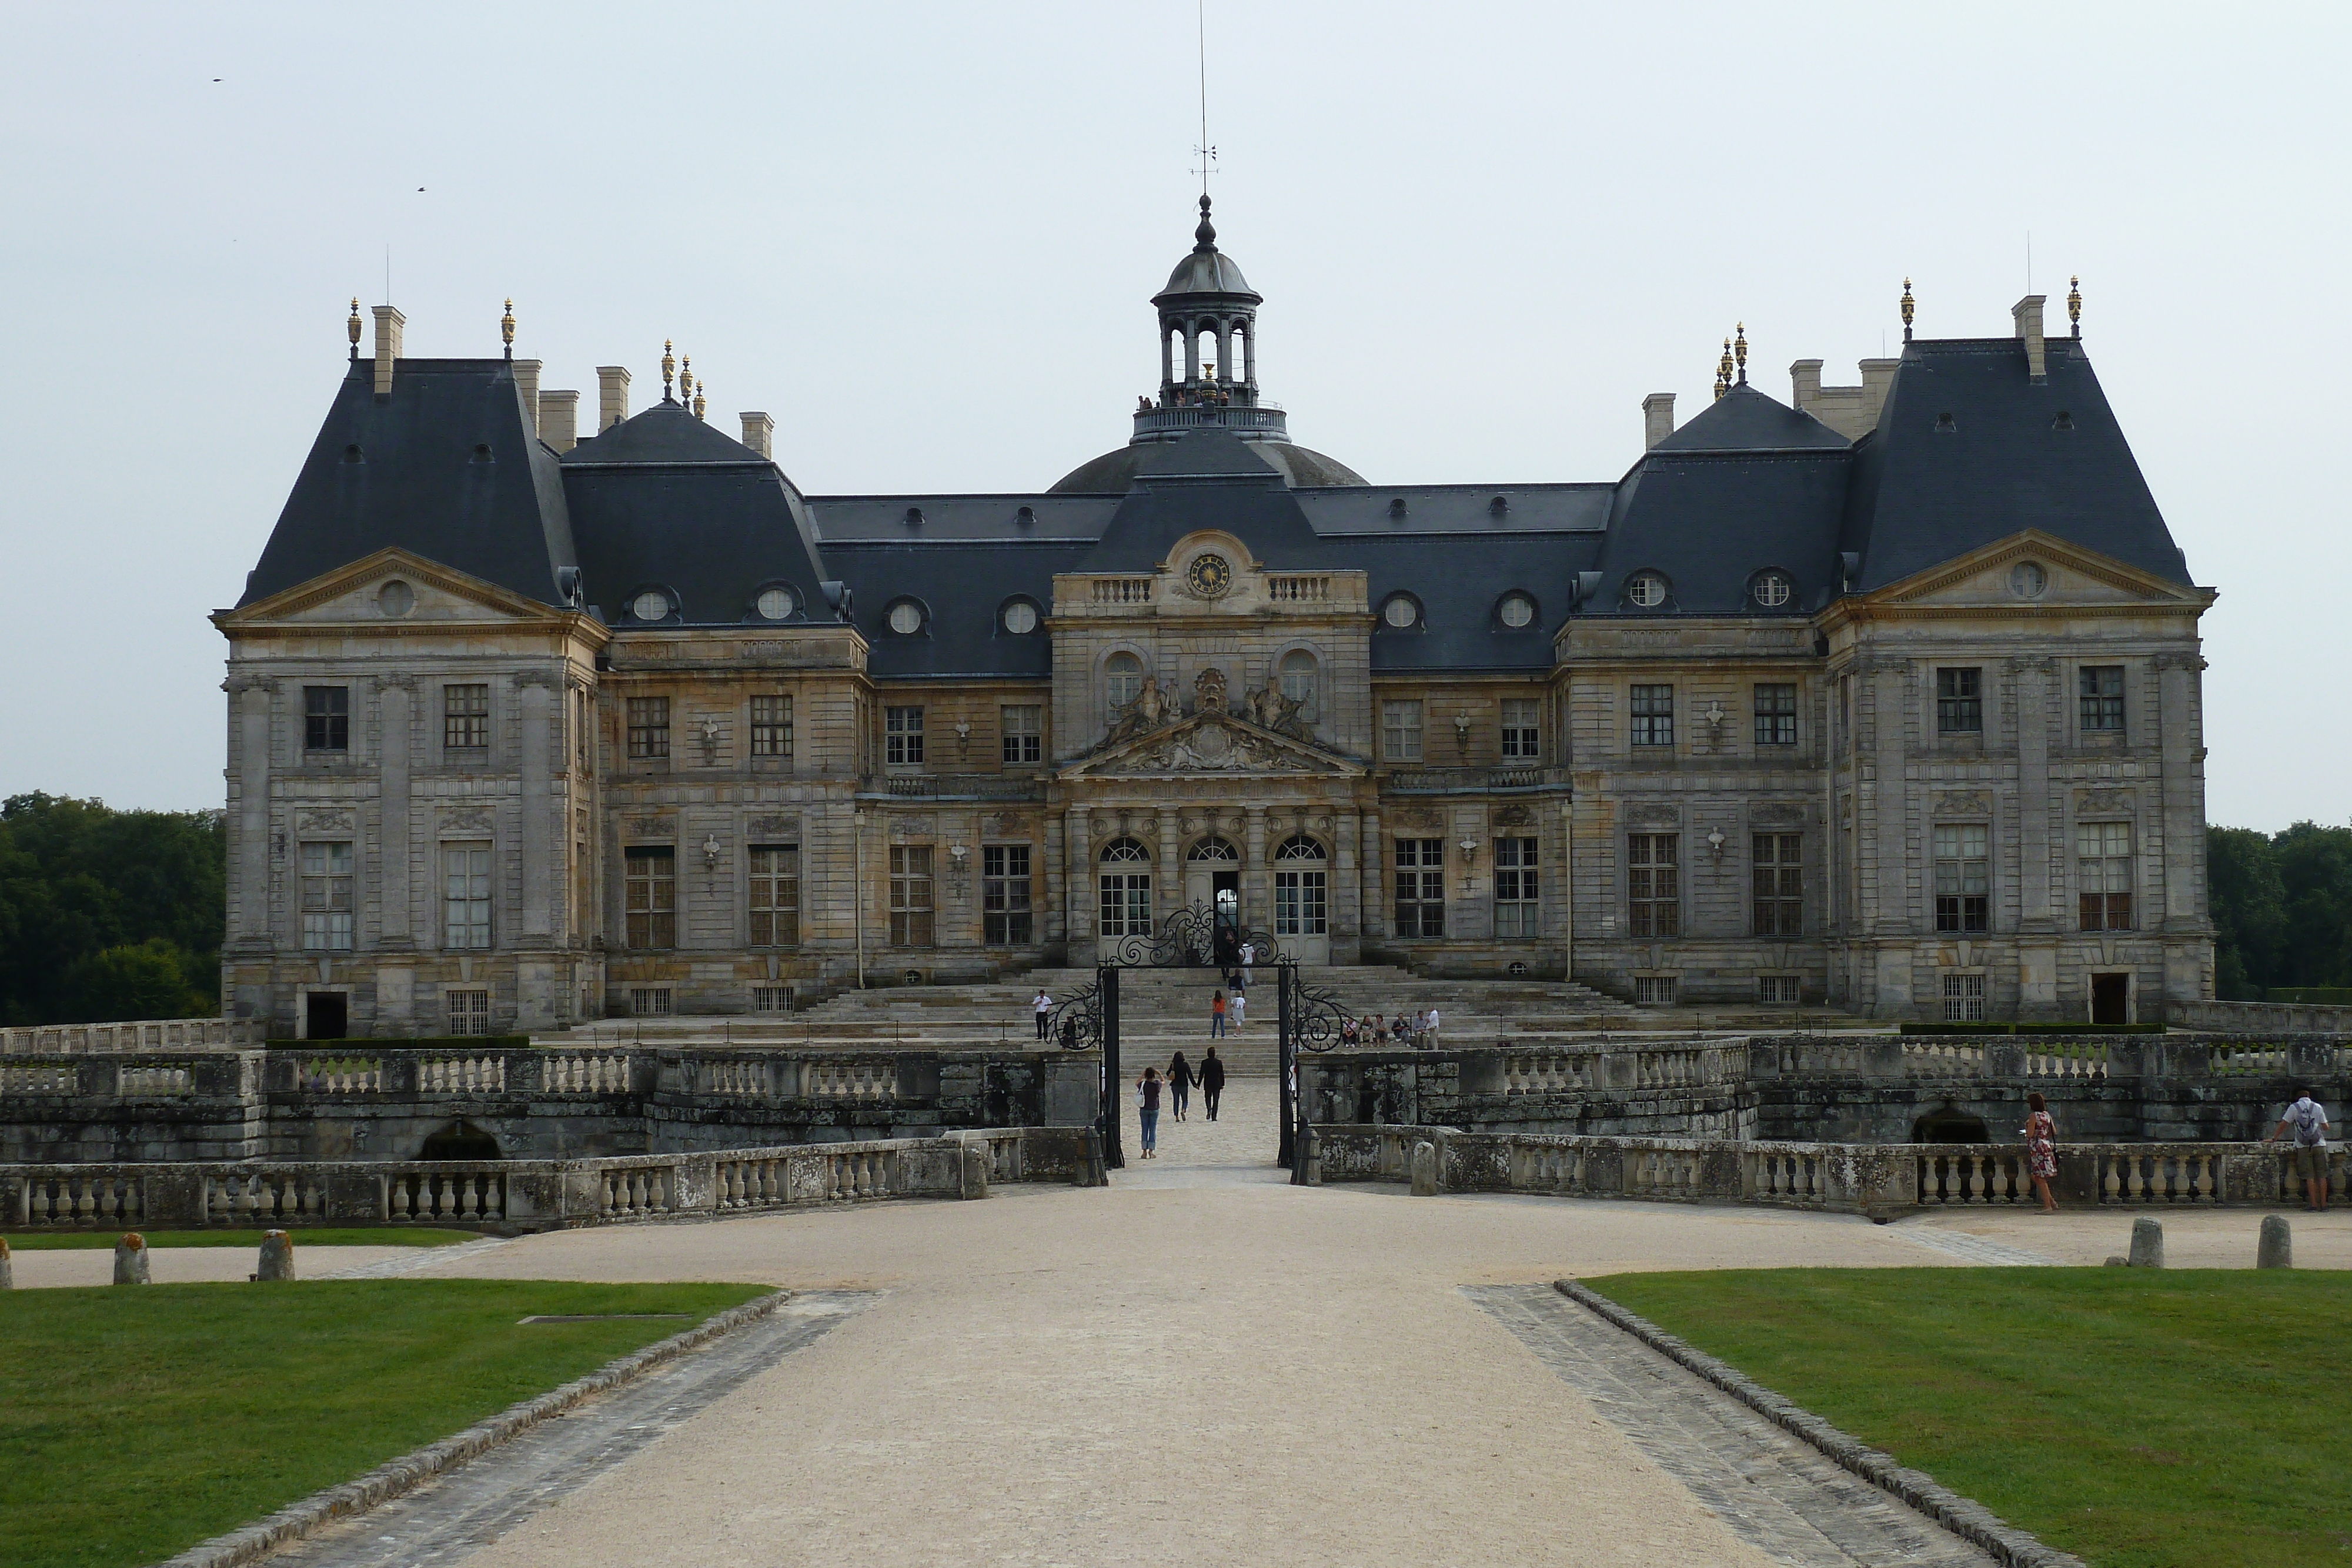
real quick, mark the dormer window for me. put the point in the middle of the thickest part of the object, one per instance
(1402, 611)
(1647, 590)
(777, 603)
(905, 618)
(653, 604)
(1516, 611)
(1771, 589)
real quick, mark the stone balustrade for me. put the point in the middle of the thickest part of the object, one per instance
(1877, 1179)
(149, 1034)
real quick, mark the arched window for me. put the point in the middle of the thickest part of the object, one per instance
(1207, 344)
(1301, 891)
(1299, 681)
(1122, 679)
(1125, 890)
(1126, 852)
(1299, 847)
(1214, 851)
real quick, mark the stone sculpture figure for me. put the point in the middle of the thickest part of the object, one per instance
(1147, 711)
(1209, 691)
(1270, 709)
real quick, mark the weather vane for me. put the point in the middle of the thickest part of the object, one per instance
(1207, 151)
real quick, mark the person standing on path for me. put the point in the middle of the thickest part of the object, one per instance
(2308, 1118)
(1429, 1030)
(2041, 1131)
(1241, 1007)
(1147, 1111)
(1179, 1084)
(1216, 1024)
(1213, 1082)
(1044, 1006)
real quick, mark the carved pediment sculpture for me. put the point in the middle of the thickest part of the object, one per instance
(1268, 708)
(1213, 744)
(1209, 692)
(1149, 709)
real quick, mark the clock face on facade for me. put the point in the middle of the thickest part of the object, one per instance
(1209, 575)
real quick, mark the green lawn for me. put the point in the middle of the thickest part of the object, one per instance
(357, 1236)
(135, 1423)
(2140, 1420)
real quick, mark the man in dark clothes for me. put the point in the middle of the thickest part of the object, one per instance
(1213, 1082)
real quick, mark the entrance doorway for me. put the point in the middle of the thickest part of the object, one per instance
(2111, 998)
(326, 1015)
(1212, 881)
(1302, 900)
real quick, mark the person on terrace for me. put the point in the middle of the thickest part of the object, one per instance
(2308, 1119)
(2041, 1149)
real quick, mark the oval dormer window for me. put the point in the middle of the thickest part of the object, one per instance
(653, 604)
(1773, 589)
(906, 618)
(1401, 611)
(2027, 579)
(777, 603)
(1516, 611)
(396, 599)
(1019, 618)
(1647, 590)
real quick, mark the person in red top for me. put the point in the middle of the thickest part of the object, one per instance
(1217, 1017)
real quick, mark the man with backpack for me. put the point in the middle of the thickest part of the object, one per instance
(2308, 1119)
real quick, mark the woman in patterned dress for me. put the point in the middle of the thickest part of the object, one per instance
(2042, 1150)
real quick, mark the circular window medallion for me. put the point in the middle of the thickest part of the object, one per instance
(1400, 613)
(650, 605)
(1647, 589)
(1773, 589)
(1518, 609)
(2027, 579)
(1021, 618)
(396, 599)
(906, 618)
(777, 603)
(1209, 575)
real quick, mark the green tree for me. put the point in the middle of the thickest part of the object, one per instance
(2282, 907)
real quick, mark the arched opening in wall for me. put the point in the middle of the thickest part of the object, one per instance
(1949, 1124)
(1244, 354)
(1122, 680)
(1299, 685)
(1212, 880)
(1302, 899)
(1125, 890)
(460, 1141)
(1207, 340)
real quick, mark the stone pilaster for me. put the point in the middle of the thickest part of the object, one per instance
(252, 697)
(396, 697)
(540, 826)
(1082, 879)
(2183, 791)
(1375, 897)
(1257, 892)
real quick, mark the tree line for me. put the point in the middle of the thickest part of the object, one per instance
(108, 914)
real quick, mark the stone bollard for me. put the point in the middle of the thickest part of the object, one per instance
(1313, 1157)
(2117, 1260)
(7, 1267)
(975, 1171)
(276, 1256)
(131, 1259)
(2147, 1243)
(2276, 1248)
(1425, 1169)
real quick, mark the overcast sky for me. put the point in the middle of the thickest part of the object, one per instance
(923, 238)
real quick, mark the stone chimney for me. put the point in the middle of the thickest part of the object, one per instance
(1657, 418)
(526, 372)
(1805, 384)
(759, 434)
(2027, 314)
(612, 396)
(388, 323)
(559, 419)
(1877, 376)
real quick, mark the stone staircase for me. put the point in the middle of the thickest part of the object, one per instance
(1162, 1011)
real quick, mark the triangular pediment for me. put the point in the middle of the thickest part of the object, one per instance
(390, 588)
(2069, 575)
(1213, 744)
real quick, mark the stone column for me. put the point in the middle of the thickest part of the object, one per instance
(1082, 881)
(1892, 915)
(1057, 882)
(1558, 888)
(393, 851)
(539, 824)
(2183, 787)
(1171, 878)
(1346, 924)
(2038, 922)
(1375, 897)
(251, 698)
(1258, 906)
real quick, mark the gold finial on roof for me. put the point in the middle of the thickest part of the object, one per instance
(686, 379)
(1906, 310)
(699, 403)
(1740, 347)
(2074, 304)
(352, 327)
(669, 368)
(505, 328)
(1723, 370)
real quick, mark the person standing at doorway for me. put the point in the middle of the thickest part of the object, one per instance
(1249, 956)
(1147, 1111)
(1044, 1006)
(1216, 1019)
(2042, 1150)
(2308, 1119)
(1241, 1009)
(1179, 1084)
(1213, 1082)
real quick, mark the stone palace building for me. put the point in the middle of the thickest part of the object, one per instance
(1886, 698)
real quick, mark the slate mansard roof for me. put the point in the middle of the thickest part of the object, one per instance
(1968, 449)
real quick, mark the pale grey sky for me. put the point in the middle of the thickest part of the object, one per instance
(923, 238)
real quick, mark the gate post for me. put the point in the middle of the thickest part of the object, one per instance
(1285, 1067)
(1114, 1086)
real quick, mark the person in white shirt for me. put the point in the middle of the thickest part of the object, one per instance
(2308, 1119)
(1429, 1030)
(1044, 1006)
(1241, 1007)
(1249, 954)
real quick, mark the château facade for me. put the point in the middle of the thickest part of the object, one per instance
(1886, 698)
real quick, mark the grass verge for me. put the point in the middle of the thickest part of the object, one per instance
(139, 1422)
(355, 1236)
(2137, 1418)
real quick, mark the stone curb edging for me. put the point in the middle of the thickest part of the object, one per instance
(392, 1479)
(1964, 1517)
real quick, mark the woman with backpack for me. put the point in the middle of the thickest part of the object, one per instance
(1179, 1084)
(1147, 1111)
(2041, 1132)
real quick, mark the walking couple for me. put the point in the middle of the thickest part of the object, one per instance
(1177, 1090)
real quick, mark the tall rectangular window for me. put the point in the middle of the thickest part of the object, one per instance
(1963, 877)
(772, 728)
(902, 736)
(469, 1010)
(1777, 873)
(1960, 701)
(1419, 887)
(648, 727)
(2102, 874)
(1023, 729)
(1514, 888)
(326, 718)
(465, 895)
(1126, 905)
(2103, 697)
(1522, 730)
(1776, 714)
(1653, 883)
(1400, 731)
(1004, 896)
(775, 895)
(649, 896)
(466, 718)
(1964, 998)
(1654, 715)
(327, 897)
(910, 895)
(1302, 903)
